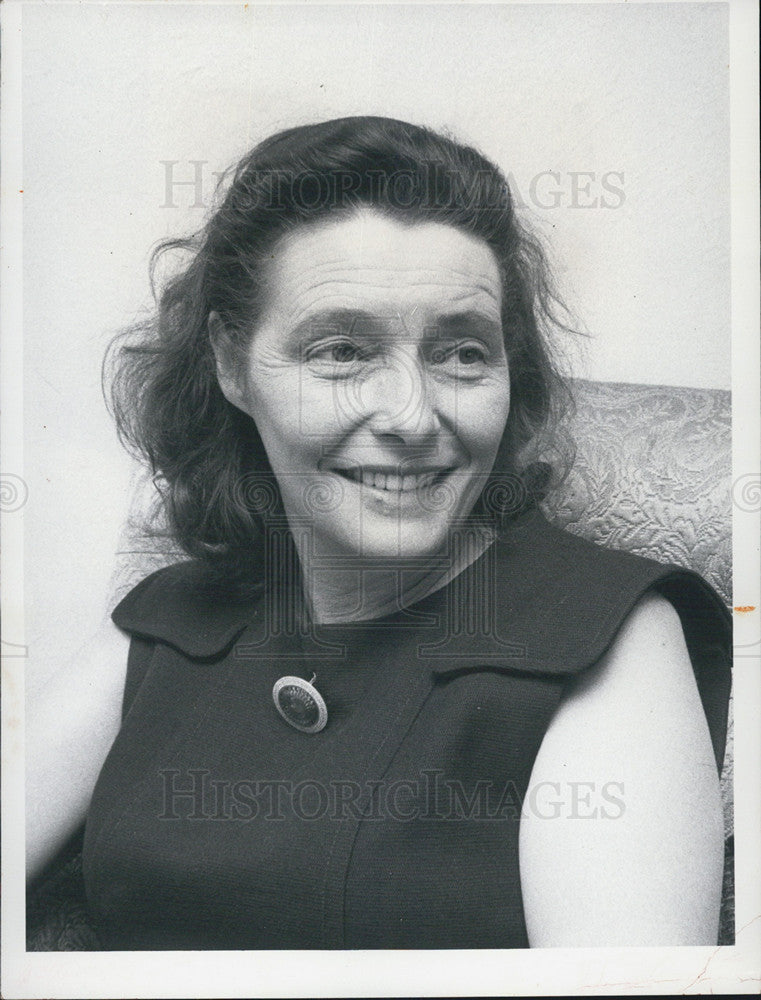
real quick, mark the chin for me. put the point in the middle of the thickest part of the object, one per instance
(393, 541)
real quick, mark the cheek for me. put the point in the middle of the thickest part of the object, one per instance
(481, 419)
(296, 421)
(323, 405)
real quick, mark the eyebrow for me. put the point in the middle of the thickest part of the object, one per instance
(470, 321)
(339, 320)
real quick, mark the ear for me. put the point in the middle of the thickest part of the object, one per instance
(231, 373)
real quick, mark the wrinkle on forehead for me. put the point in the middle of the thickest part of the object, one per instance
(399, 269)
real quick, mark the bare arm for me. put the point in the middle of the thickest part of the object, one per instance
(646, 867)
(69, 731)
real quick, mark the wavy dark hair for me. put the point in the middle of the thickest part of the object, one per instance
(206, 456)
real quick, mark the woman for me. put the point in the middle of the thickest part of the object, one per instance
(384, 704)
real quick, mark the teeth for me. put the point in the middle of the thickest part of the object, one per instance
(390, 482)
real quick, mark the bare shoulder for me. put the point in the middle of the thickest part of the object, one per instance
(90, 684)
(648, 665)
(96, 672)
(642, 859)
(104, 652)
(70, 728)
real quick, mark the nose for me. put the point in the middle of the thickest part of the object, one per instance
(398, 400)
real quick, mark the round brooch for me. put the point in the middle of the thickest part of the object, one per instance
(300, 704)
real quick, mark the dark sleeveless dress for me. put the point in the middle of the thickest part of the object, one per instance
(215, 824)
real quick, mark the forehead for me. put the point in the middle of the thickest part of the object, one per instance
(382, 266)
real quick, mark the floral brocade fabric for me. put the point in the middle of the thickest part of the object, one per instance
(652, 475)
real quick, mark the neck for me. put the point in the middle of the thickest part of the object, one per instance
(376, 588)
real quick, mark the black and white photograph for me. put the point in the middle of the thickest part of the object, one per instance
(380, 499)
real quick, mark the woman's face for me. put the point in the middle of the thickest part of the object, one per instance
(378, 382)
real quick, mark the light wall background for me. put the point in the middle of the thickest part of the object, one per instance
(611, 119)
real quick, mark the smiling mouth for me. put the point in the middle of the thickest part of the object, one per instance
(394, 482)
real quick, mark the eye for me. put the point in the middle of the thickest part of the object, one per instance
(343, 352)
(335, 352)
(456, 357)
(470, 355)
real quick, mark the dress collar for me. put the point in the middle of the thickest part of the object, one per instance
(539, 600)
